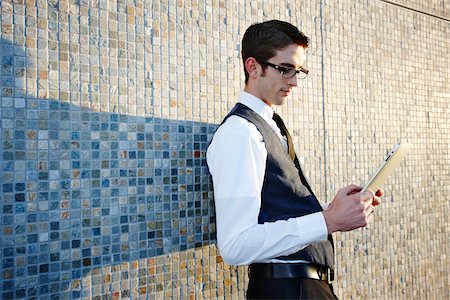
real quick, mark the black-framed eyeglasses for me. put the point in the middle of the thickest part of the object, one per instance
(288, 72)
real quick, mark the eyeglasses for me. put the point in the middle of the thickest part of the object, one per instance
(288, 72)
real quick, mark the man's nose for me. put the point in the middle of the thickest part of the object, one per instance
(293, 81)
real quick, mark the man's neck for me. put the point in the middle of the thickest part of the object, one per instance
(249, 90)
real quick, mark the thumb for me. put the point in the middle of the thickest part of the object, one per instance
(351, 189)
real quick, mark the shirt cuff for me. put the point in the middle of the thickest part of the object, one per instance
(313, 227)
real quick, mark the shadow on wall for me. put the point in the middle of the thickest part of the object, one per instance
(83, 189)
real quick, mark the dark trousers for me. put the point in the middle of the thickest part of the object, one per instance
(289, 288)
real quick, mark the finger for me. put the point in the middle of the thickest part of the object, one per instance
(379, 193)
(367, 205)
(369, 212)
(376, 201)
(369, 219)
(367, 196)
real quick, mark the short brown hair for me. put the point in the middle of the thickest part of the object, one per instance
(262, 40)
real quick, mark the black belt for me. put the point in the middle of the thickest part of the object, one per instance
(290, 270)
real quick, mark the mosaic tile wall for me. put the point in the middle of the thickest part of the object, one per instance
(439, 8)
(107, 109)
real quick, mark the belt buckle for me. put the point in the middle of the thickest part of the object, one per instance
(330, 275)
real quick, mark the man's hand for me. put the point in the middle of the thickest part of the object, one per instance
(351, 209)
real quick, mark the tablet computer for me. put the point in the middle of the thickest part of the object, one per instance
(390, 163)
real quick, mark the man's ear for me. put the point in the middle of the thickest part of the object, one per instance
(252, 66)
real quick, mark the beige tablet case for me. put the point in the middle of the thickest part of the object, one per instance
(388, 166)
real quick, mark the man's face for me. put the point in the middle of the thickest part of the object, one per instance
(273, 88)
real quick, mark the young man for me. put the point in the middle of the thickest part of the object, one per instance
(267, 215)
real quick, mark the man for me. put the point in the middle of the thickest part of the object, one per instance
(267, 215)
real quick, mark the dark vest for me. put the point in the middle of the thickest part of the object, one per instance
(286, 192)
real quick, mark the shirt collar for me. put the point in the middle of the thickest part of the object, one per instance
(257, 105)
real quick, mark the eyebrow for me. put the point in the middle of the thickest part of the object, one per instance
(287, 65)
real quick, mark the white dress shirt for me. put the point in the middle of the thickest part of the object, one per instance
(237, 161)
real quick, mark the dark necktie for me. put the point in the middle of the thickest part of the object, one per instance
(285, 132)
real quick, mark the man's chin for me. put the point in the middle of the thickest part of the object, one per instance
(282, 100)
(276, 101)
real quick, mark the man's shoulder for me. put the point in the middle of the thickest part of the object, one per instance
(238, 124)
(235, 133)
(236, 130)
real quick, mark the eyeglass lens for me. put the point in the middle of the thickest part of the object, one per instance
(289, 73)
